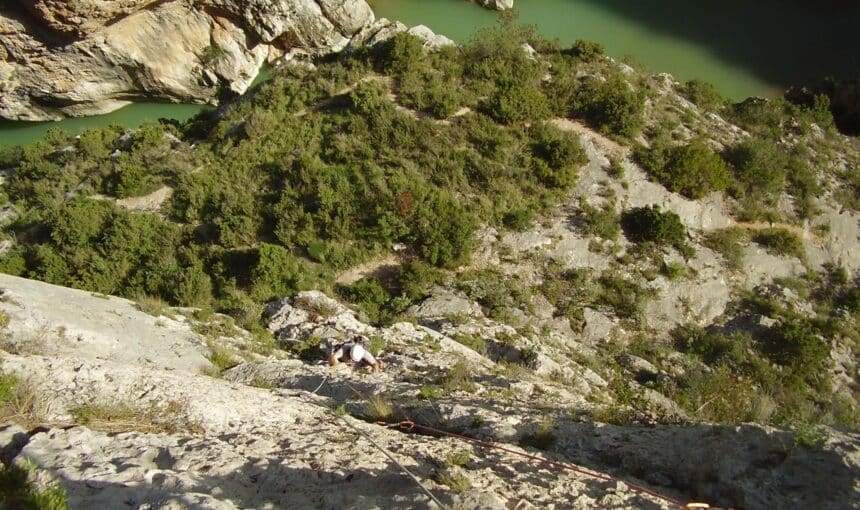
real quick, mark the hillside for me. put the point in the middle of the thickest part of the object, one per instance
(550, 250)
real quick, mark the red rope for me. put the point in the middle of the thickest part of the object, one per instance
(411, 425)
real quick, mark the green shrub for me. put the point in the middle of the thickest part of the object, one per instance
(625, 296)
(703, 94)
(720, 396)
(586, 51)
(603, 222)
(518, 103)
(795, 343)
(651, 224)
(728, 242)
(803, 184)
(458, 378)
(713, 348)
(403, 52)
(278, 273)
(612, 105)
(495, 60)
(494, 290)
(132, 180)
(562, 153)
(472, 341)
(673, 270)
(429, 392)
(369, 296)
(782, 242)
(519, 219)
(415, 279)
(542, 438)
(378, 408)
(454, 480)
(692, 170)
(759, 169)
(442, 231)
(19, 492)
(210, 54)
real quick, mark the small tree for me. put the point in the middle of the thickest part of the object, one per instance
(650, 224)
(692, 170)
(278, 273)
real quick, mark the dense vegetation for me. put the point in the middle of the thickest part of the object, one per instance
(330, 170)
(321, 169)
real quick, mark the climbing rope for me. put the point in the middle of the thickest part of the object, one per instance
(306, 396)
(411, 426)
(391, 457)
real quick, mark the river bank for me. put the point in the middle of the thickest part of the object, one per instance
(728, 45)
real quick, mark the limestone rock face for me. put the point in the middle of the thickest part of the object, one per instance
(81, 16)
(499, 5)
(87, 57)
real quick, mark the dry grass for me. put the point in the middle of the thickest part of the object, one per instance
(35, 341)
(454, 478)
(117, 417)
(154, 306)
(21, 401)
(378, 408)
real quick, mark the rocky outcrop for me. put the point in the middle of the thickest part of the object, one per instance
(272, 432)
(86, 57)
(499, 5)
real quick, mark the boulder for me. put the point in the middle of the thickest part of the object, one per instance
(499, 5)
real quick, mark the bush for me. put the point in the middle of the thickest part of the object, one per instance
(692, 170)
(442, 231)
(132, 180)
(586, 51)
(458, 378)
(404, 51)
(278, 273)
(703, 94)
(625, 296)
(651, 224)
(562, 152)
(19, 492)
(603, 222)
(713, 348)
(519, 219)
(728, 242)
(415, 278)
(782, 242)
(795, 343)
(759, 169)
(518, 103)
(612, 105)
(495, 60)
(368, 295)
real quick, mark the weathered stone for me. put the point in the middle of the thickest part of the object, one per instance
(499, 5)
(110, 52)
(637, 365)
(445, 303)
(52, 320)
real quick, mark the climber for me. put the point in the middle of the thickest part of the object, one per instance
(354, 350)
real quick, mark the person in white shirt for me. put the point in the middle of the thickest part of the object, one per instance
(354, 350)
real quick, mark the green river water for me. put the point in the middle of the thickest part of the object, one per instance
(744, 48)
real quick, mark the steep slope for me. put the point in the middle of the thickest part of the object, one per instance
(539, 242)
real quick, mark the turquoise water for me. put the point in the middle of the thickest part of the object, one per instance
(132, 115)
(744, 48)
